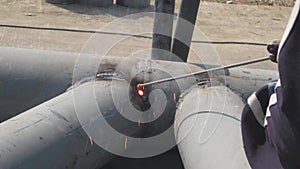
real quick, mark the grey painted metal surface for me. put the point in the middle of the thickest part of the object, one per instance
(245, 81)
(134, 3)
(207, 128)
(31, 77)
(50, 136)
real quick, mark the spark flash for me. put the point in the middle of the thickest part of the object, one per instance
(140, 90)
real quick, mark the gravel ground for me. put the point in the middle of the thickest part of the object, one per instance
(218, 21)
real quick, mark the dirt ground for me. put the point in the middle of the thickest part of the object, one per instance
(220, 22)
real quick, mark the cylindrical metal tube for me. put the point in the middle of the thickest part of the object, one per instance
(184, 32)
(163, 30)
(50, 135)
(31, 77)
(42, 75)
(207, 129)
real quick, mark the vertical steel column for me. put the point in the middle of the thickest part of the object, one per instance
(184, 32)
(163, 29)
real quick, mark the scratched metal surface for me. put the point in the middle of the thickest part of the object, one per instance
(50, 136)
(29, 78)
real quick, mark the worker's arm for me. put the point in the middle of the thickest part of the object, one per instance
(289, 70)
(283, 114)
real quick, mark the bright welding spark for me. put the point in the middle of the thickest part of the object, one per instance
(125, 145)
(139, 123)
(176, 124)
(174, 97)
(91, 140)
(140, 90)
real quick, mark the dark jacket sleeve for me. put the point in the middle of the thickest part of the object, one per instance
(283, 121)
(275, 143)
(289, 70)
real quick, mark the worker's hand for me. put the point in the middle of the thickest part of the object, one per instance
(273, 50)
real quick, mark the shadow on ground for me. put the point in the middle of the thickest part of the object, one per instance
(169, 159)
(114, 10)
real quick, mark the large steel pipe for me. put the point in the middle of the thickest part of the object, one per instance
(185, 28)
(50, 135)
(31, 77)
(207, 129)
(163, 30)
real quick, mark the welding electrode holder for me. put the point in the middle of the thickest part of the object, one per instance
(273, 50)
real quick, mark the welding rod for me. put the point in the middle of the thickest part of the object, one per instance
(208, 70)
